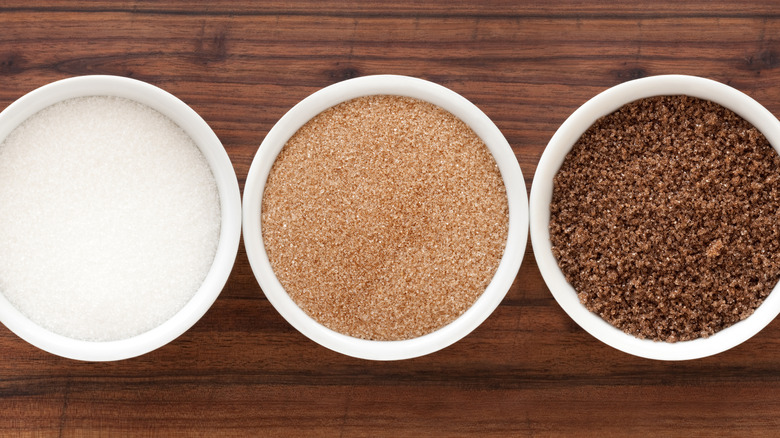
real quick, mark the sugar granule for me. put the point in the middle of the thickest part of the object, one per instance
(385, 217)
(665, 218)
(109, 218)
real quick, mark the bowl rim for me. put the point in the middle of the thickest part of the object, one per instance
(445, 98)
(230, 210)
(561, 143)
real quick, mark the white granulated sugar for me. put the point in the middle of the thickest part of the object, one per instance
(109, 218)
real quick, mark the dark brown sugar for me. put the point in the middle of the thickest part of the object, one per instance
(665, 218)
(384, 217)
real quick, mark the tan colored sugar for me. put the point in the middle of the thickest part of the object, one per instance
(384, 217)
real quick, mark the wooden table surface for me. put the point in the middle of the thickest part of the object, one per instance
(528, 370)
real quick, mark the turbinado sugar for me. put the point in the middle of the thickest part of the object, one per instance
(109, 218)
(384, 217)
(665, 218)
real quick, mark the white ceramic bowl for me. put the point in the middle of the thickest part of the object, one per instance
(393, 85)
(230, 205)
(541, 196)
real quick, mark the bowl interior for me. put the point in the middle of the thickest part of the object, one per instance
(230, 205)
(403, 86)
(541, 196)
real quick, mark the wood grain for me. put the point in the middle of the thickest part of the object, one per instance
(528, 370)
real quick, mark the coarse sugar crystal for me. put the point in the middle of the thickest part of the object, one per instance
(664, 218)
(109, 218)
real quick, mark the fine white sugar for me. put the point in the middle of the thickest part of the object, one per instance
(109, 218)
